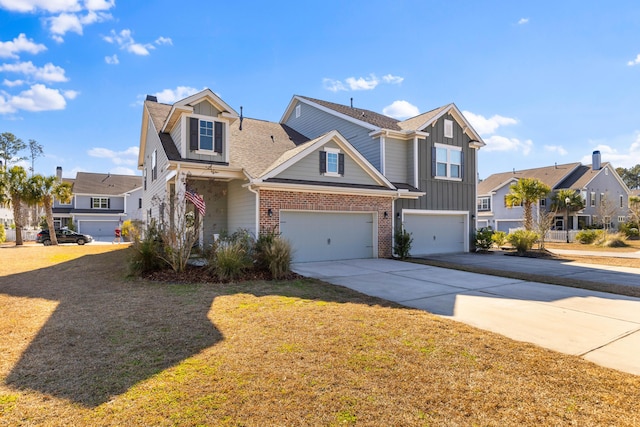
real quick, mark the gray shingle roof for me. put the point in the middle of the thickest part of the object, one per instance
(105, 183)
(550, 175)
(367, 116)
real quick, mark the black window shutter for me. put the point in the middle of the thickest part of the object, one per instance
(217, 145)
(193, 133)
(108, 203)
(341, 164)
(434, 166)
(91, 203)
(323, 161)
(462, 165)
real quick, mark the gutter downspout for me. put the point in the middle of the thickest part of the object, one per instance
(257, 193)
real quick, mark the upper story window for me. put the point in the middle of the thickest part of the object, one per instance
(331, 162)
(206, 135)
(484, 203)
(447, 162)
(297, 111)
(154, 165)
(543, 203)
(100, 203)
(593, 199)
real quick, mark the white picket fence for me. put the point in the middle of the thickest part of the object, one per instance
(555, 235)
(27, 235)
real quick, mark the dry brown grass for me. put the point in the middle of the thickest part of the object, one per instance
(83, 345)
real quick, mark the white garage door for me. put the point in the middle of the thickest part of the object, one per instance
(326, 236)
(98, 228)
(436, 233)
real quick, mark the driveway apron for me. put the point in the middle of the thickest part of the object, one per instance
(601, 327)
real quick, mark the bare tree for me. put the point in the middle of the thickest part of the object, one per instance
(605, 209)
(10, 147)
(35, 150)
(543, 224)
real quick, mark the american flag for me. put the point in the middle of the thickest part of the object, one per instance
(197, 201)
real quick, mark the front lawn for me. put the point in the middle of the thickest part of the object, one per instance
(82, 344)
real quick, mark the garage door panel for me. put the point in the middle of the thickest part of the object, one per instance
(436, 233)
(97, 228)
(326, 236)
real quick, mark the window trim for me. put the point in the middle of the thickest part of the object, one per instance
(448, 128)
(100, 201)
(154, 165)
(448, 163)
(298, 111)
(484, 207)
(218, 140)
(332, 152)
(593, 199)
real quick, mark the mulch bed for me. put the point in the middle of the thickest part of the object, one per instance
(194, 274)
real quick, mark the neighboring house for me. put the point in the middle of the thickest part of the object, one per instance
(332, 184)
(605, 195)
(6, 215)
(100, 203)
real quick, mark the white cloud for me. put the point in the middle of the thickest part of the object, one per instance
(360, 83)
(113, 59)
(523, 21)
(99, 4)
(556, 149)
(120, 158)
(10, 49)
(47, 73)
(363, 83)
(333, 85)
(70, 22)
(121, 170)
(37, 98)
(169, 96)
(634, 62)
(391, 79)
(13, 83)
(126, 42)
(51, 6)
(501, 143)
(401, 110)
(71, 94)
(625, 158)
(488, 126)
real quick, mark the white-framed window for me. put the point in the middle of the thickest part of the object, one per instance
(448, 162)
(607, 222)
(206, 135)
(593, 199)
(484, 203)
(331, 162)
(297, 111)
(602, 199)
(100, 203)
(448, 128)
(622, 219)
(509, 205)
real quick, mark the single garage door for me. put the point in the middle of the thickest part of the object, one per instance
(436, 233)
(98, 229)
(327, 236)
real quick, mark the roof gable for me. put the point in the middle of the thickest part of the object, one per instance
(549, 175)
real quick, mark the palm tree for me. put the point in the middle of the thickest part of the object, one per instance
(526, 192)
(16, 189)
(569, 201)
(42, 191)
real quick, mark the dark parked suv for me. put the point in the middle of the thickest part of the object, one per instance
(63, 236)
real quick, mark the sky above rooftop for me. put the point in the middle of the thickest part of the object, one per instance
(542, 82)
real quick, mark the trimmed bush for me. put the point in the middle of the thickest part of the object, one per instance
(483, 239)
(522, 240)
(402, 242)
(587, 237)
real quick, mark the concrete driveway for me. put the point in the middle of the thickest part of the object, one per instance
(600, 327)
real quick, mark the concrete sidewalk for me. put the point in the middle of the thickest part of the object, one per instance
(601, 327)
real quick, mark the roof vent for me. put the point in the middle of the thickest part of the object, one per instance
(152, 98)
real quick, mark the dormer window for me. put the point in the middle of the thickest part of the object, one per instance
(331, 162)
(206, 136)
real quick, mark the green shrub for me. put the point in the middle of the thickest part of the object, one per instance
(484, 239)
(146, 253)
(522, 240)
(499, 238)
(264, 240)
(402, 241)
(630, 229)
(231, 260)
(587, 237)
(277, 256)
(3, 234)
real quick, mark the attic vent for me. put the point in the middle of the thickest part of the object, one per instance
(152, 98)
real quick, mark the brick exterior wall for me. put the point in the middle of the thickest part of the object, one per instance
(290, 200)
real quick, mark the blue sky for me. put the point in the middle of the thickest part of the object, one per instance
(542, 82)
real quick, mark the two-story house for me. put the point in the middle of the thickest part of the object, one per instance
(603, 191)
(100, 203)
(334, 185)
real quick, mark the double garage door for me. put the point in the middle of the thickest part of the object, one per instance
(98, 228)
(436, 233)
(327, 236)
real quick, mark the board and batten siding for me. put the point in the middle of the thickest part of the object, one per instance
(308, 169)
(313, 123)
(206, 109)
(241, 206)
(441, 194)
(396, 166)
